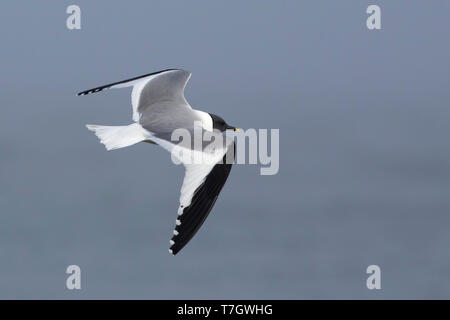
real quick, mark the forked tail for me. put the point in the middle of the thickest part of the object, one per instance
(116, 137)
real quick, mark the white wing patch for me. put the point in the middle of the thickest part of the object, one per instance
(137, 85)
(135, 95)
(195, 174)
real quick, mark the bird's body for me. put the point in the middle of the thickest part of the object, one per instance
(159, 108)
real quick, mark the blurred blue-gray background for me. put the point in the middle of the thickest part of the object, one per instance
(364, 153)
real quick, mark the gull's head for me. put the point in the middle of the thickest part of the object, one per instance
(220, 124)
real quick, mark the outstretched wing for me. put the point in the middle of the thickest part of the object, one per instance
(192, 216)
(160, 88)
(201, 185)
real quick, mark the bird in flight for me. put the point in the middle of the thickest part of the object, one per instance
(159, 108)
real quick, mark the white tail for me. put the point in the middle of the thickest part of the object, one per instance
(116, 137)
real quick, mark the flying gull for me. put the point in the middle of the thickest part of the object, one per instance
(159, 108)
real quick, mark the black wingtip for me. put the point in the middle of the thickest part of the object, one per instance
(95, 90)
(174, 248)
(83, 93)
(98, 89)
(173, 251)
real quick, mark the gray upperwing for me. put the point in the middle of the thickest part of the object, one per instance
(164, 87)
(162, 105)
